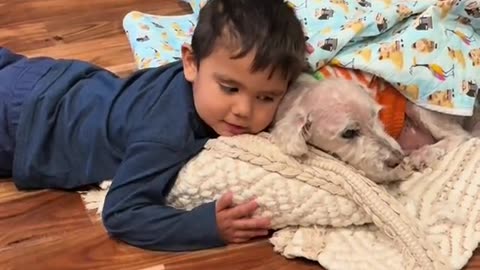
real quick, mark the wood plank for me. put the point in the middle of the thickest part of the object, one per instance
(100, 28)
(39, 216)
(474, 262)
(8, 192)
(91, 248)
(118, 59)
(63, 11)
(258, 255)
(38, 34)
(87, 248)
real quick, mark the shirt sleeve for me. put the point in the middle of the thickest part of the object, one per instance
(135, 210)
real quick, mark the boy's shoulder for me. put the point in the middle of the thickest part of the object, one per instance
(165, 73)
(155, 82)
(165, 110)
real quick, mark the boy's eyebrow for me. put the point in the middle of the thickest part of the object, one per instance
(274, 93)
(227, 80)
(232, 82)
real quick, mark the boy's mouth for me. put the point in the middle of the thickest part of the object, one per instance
(235, 129)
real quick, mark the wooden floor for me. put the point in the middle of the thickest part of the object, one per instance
(50, 229)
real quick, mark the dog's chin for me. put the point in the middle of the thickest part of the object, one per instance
(373, 168)
(376, 176)
(379, 172)
(374, 172)
(386, 174)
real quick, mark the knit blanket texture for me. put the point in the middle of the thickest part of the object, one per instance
(326, 211)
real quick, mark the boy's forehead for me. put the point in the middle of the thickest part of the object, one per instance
(269, 85)
(239, 70)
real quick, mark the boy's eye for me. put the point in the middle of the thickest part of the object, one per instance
(229, 89)
(265, 98)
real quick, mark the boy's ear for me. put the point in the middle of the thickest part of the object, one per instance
(189, 63)
(292, 132)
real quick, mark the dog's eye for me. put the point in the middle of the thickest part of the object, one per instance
(350, 133)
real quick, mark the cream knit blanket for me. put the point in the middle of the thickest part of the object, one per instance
(326, 211)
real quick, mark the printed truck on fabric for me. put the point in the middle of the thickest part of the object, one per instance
(429, 50)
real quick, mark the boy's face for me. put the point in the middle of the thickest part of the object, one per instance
(228, 96)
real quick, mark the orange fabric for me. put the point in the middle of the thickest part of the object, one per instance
(394, 104)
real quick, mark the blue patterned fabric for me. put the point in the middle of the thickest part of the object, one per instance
(428, 49)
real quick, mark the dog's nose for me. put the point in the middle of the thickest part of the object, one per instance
(395, 159)
(392, 162)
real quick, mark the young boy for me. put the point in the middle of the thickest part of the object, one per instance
(65, 124)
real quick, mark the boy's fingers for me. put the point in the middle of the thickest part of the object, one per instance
(224, 202)
(243, 210)
(239, 240)
(251, 224)
(248, 234)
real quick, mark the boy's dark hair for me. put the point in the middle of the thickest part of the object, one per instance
(269, 27)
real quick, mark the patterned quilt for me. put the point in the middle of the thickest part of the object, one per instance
(429, 50)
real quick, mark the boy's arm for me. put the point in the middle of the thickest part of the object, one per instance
(135, 210)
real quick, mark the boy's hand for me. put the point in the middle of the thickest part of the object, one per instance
(235, 224)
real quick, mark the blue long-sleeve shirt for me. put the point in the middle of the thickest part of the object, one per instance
(82, 125)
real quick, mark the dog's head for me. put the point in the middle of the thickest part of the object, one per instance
(338, 117)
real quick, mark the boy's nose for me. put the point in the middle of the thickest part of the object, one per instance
(242, 109)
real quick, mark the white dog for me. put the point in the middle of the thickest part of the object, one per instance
(340, 117)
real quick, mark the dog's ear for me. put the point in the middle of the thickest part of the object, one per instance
(292, 132)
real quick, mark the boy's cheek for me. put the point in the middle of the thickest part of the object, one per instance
(278, 102)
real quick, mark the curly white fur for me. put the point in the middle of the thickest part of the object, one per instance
(323, 113)
(341, 118)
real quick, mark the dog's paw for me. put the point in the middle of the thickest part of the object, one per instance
(400, 173)
(425, 157)
(403, 170)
